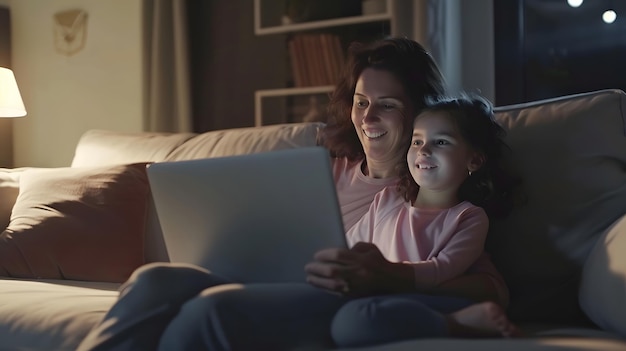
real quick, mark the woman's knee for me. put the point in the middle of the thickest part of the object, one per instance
(170, 281)
(208, 321)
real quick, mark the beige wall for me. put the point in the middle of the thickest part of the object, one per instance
(98, 87)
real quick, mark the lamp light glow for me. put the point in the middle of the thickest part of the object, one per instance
(11, 104)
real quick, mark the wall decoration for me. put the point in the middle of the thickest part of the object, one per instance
(70, 31)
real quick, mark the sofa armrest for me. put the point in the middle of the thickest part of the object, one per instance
(9, 189)
(602, 293)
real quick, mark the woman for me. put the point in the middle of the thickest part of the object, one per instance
(194, 310)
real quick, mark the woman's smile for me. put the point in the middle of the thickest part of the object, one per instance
(374, 134)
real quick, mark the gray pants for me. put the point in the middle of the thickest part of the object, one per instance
(389, 318)
(181, 307)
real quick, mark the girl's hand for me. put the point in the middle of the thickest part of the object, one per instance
(359, 271)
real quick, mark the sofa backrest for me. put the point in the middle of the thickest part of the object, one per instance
(105, 147)
(100, 147)
(571, 155)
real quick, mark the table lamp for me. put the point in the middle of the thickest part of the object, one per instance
(11, 104)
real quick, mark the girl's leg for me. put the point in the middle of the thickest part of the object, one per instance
(254, 317)
(388, 318)
(481, 320)
(147, 302)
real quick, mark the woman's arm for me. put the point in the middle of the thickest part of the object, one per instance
(363, 271)
(400, 278)
(476, 286)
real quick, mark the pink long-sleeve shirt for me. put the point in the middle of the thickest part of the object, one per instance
(440, 244)
(356, 194)
(355, 191)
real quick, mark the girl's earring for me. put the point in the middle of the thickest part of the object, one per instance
(470, 173)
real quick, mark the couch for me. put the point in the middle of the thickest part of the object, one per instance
(73, 234)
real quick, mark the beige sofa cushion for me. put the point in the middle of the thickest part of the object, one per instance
(571, 154)
(603, 284)
(9, 188)
(82, 223)
(51, 315)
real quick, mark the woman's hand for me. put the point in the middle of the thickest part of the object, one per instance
(359, 271)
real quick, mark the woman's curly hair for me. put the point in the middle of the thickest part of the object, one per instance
(406, 59)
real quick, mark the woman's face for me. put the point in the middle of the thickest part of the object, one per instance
(379, 113)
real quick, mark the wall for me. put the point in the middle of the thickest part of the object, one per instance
(224, 87)
(98, 87)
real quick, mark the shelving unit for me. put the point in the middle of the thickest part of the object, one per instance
(289, 103)
(284, 94)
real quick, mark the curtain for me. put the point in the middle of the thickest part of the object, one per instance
(445, 37)
(168, 101)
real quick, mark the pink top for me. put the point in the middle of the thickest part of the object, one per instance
(440, 244)
(355, 191)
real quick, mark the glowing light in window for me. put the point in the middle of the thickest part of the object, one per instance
(609, 16)
(574, 3)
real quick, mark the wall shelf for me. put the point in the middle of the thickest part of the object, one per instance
(259, 95)
(335, 22)
(317, 37)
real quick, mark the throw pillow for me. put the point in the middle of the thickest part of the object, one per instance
(603, 285)
(77, 223)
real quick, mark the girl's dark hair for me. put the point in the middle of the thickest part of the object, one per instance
(491, 186)
(406, 59)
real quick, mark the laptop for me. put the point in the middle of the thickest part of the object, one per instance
(255, 218)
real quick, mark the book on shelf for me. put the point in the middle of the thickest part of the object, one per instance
(296, 69)
(328, 58)
(336, 57)
(316, 59)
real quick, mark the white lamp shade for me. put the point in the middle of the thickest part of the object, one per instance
(11, 104)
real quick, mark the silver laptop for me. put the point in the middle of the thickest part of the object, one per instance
(249, 218)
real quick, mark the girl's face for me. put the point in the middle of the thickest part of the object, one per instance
(379, 109)
(439, 158)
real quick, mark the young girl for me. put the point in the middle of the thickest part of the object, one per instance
(435, 226)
